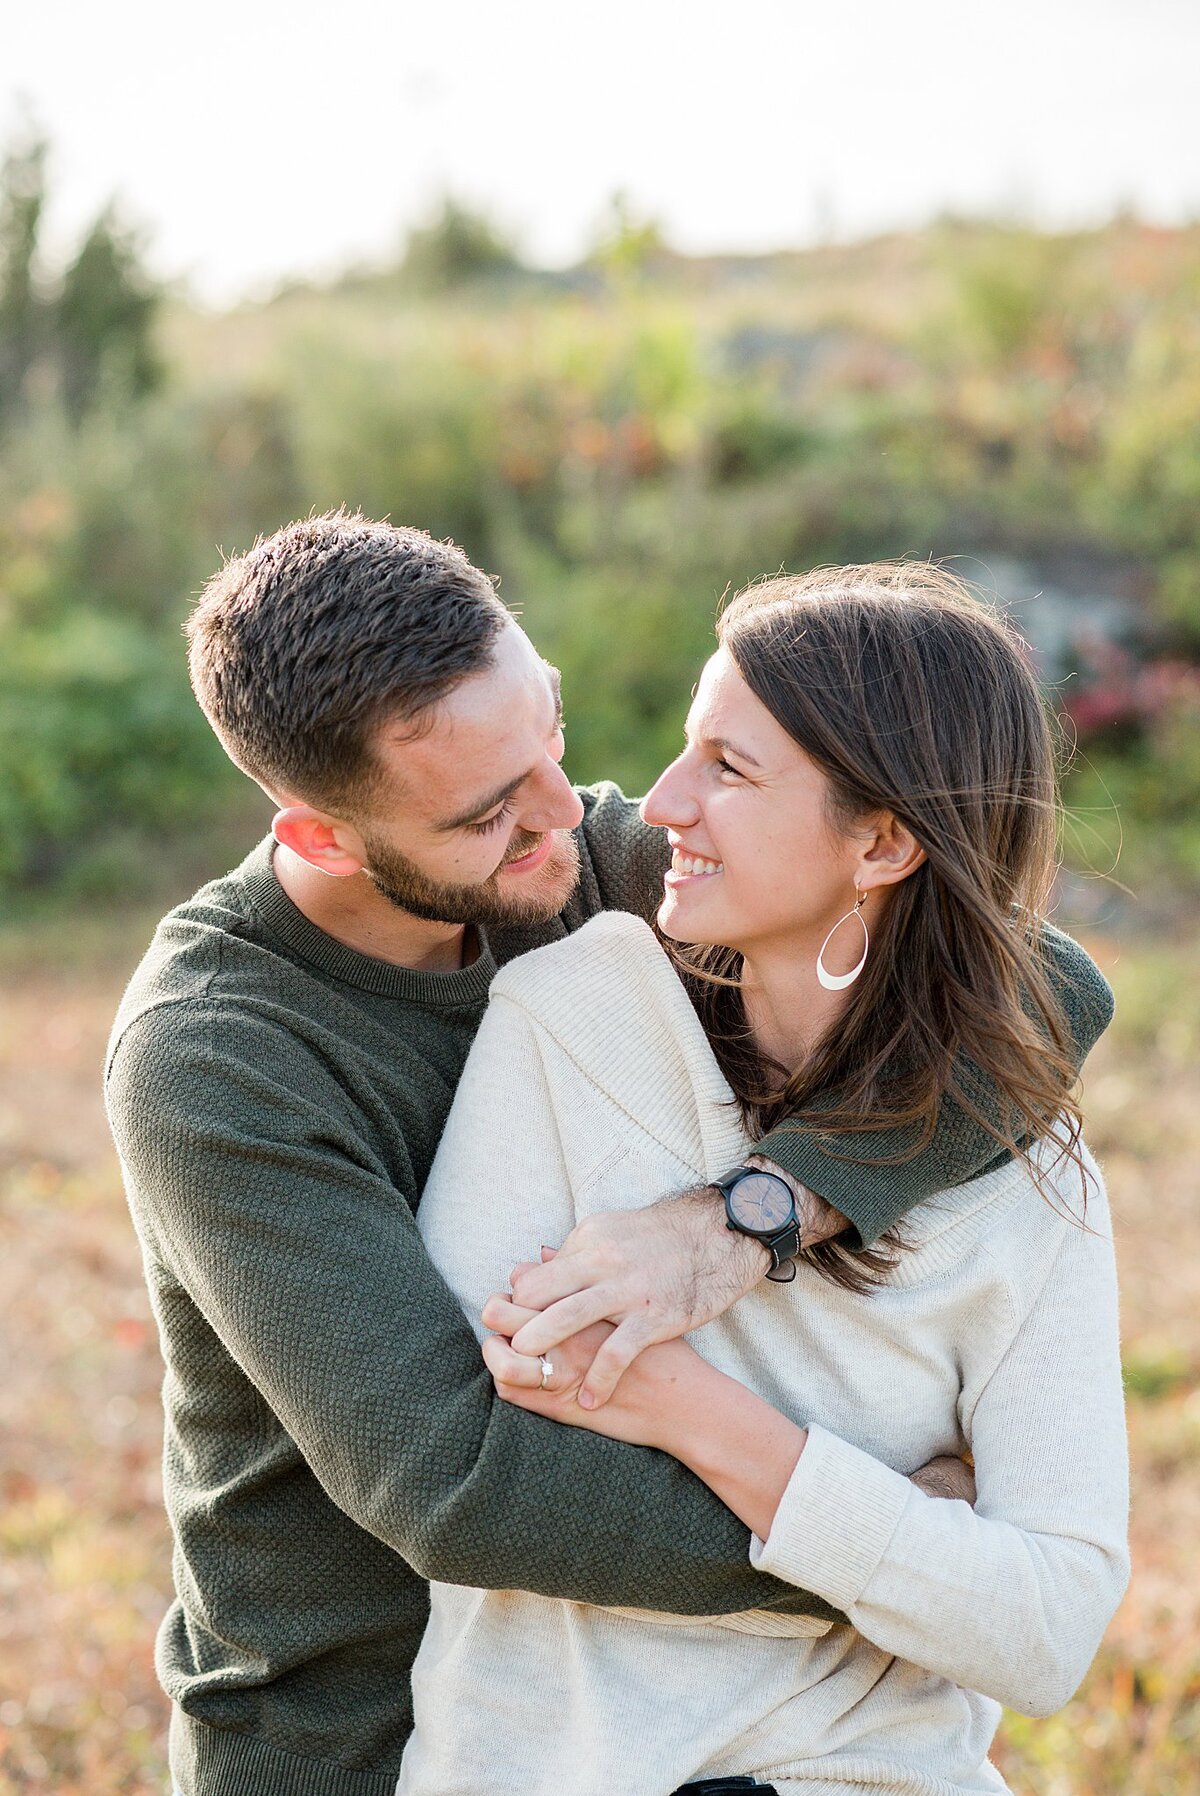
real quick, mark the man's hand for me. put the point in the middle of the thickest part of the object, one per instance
(655, 1273)
(947, 1477)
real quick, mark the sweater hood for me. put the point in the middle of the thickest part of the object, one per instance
(610, 999)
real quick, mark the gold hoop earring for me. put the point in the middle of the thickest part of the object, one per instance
(837, 982)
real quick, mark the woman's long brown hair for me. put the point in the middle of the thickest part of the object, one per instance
(912, 697)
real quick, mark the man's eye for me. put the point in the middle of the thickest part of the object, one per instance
(726, 768)
(490, 823)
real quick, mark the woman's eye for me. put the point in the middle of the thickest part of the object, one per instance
(726, 768)
(490, 823)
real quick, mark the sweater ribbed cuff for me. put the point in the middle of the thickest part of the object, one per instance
(213, 1761)
(834, 1522)
(873, 1197)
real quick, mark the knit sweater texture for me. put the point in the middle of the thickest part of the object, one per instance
(997, 1332)
(331, 1437)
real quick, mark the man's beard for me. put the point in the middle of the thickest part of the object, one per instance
(541, 895)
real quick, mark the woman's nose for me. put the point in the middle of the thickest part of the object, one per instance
(668, 803)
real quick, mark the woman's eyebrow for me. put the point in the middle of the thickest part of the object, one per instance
(731, 748)
(725, 745)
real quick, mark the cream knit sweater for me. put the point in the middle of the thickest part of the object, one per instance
(591, 1087)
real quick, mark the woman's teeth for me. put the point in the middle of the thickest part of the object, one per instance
(693, 865)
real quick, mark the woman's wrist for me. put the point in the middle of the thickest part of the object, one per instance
(673, 1385)
(738, 1444)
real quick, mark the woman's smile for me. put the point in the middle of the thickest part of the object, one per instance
(688, 868)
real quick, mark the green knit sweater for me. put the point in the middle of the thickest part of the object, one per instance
(332, 1439)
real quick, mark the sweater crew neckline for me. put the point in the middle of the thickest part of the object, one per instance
(285, 919)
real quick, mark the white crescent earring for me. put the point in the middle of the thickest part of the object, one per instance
(837, 982)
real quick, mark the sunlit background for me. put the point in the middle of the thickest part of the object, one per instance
(274, 139)
(636, 303)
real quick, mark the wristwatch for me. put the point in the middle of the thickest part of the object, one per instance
(760, 1204)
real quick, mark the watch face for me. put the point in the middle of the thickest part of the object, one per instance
(761, 1203)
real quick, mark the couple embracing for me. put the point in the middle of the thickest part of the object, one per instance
(739, 1129)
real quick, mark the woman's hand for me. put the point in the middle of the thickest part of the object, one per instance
(648, 1407)
(669, 1398)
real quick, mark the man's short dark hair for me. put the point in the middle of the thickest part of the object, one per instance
(300, 648)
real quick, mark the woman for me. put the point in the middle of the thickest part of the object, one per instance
(866, 745)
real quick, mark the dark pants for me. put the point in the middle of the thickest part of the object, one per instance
(709, 1786)
(724, 1786)
(712, 1787)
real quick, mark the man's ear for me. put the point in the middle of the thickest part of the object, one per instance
(329, 846)
(891, 853)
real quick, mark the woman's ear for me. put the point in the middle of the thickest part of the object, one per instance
(891, 853)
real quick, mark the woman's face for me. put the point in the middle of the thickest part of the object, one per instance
(755, 865)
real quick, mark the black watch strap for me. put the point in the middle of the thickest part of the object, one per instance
(783, 1246)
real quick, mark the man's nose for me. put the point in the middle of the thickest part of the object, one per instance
(558, 805)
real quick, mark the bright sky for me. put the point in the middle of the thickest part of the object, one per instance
(258, 138)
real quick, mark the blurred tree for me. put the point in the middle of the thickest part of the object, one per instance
(459, 246)
(627, 245)
(104, 318)
(22, 310)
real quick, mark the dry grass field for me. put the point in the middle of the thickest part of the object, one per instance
(83, 1546)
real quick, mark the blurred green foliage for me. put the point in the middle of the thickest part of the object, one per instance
(85, 336)
(22, 202)
(619, 450)
(457, 247)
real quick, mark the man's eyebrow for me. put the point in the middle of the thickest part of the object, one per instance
(484, 805)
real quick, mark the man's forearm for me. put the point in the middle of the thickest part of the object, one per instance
(309, 1272)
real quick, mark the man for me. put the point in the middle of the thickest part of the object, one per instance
(279, 1073)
